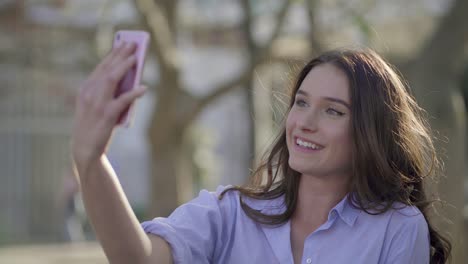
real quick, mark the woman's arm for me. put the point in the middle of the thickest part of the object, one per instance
(108, 209)
(113, 220)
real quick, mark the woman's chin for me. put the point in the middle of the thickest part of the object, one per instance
(303, 168)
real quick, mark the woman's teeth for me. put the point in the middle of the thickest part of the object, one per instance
(307, 144)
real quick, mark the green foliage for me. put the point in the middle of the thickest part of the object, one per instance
(363, 26)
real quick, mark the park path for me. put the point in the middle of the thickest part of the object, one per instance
(76, 253)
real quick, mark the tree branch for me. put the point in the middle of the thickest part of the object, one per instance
(247, 27)
(163, 43)
(281, 16)
(170, 8)
(315, 45)
(223, 89)
(263, 52)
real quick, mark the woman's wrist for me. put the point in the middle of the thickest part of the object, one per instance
(84, 163)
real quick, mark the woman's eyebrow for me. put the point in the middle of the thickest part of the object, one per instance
(331, 99)
(336, 100)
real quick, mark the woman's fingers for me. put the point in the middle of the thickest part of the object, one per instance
(115, 74)
(97, 111)
(94, 82)
(123, 101)
(99, 89)
(106, 62)
(122, 53)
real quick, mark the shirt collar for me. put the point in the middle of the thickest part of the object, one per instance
(278, 236)
(347, 212)
(270, 206)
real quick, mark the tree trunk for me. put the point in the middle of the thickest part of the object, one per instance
(444, 104)
(164, 196)
(434, 74)
(166, 138)
(166, 153)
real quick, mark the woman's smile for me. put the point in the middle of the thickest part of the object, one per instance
(307, 146)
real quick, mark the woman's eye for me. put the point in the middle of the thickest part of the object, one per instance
(334, 112)
(301, 103)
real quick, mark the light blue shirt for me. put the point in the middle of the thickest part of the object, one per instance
(209, 230)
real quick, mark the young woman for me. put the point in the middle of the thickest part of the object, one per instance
(343, 182)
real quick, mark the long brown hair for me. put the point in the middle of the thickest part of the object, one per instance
(393, 152)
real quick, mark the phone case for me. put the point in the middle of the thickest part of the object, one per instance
(132, 78)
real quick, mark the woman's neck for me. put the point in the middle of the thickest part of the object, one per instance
(317, 196)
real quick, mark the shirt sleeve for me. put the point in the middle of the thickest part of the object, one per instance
(410, 241)
(193, 230)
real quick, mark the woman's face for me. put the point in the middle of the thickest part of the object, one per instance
(318, 126)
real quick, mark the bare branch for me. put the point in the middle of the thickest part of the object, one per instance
(163, 43)
(263, 52)
(223, 89)
(315, 45)
(247, 27)
(170, 7)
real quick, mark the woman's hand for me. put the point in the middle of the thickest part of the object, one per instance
(97, 111)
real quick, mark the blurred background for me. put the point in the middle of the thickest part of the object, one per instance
(217, 72)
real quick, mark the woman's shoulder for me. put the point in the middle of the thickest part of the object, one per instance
(397, 211)
(409, 221)
(228, 197)
(407, 234)
(223, 197)
(399, 218)
(403, 213)
(396, 218)
(398, 227)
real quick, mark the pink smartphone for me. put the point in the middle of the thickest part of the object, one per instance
(132, 78)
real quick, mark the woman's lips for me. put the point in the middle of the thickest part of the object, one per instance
(305, 145)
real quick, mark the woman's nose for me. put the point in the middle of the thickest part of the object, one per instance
(308, 122)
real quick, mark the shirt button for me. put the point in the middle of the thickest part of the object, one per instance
(309, 260)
